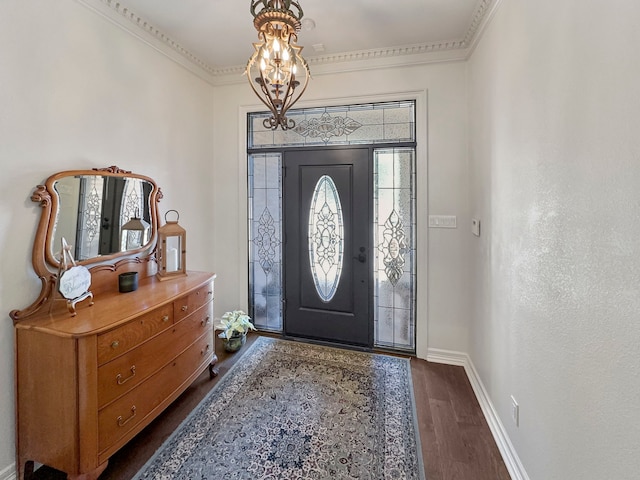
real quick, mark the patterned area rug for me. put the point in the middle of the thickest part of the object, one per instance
(289, 410)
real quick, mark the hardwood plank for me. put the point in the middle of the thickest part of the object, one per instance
(430, 447)
(465, 446)
(463, 400)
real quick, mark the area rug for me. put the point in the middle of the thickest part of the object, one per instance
(289, 410)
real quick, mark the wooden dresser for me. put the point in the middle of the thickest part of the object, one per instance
(85, 385)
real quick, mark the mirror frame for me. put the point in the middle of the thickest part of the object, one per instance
(44, 262)
(49, 190)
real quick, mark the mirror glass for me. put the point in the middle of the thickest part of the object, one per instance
(92, 211)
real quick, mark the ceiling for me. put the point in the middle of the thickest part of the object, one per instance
(217, 34)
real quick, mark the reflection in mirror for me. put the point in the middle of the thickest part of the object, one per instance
(102, 215)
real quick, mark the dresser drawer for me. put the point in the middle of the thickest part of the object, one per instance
(123, 415)
(190, 303)
(129, 370)
(122, 339)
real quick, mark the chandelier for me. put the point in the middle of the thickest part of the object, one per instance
(276, 71)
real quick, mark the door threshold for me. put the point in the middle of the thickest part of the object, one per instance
(325, 343)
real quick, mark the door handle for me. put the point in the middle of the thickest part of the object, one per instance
(362, 257)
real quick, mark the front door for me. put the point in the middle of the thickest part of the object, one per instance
(327, 225)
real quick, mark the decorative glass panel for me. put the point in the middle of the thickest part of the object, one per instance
(370, 123)
(89, 217)
(132, 207)
(326, 238)
(132, 201)
(265, 240)
(394, 229)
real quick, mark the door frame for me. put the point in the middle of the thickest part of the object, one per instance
(239, 296)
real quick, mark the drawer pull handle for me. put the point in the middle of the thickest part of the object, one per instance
(165, 318)
(206, 320)
(115, 344)
(206, 349)
(121, 422)
(184, 308)
(119, 376)
(210, 292)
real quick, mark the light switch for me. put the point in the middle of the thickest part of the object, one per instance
(442, 221)
(475, 227)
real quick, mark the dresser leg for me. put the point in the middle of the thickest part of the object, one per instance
(25, 469)
(213, 372)
(92, 475)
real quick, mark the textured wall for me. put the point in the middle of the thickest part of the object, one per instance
(555, 170)
(78, 92)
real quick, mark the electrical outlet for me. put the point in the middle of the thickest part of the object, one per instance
(515, 411)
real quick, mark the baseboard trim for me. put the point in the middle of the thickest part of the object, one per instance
(507, 450)
(447, 357)
(8, 473)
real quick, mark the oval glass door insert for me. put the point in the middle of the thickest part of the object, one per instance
(326, 238)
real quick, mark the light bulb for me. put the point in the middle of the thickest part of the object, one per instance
(276, 45)
(265, 53)
(285, 54)
(263, 64)
(294, 69)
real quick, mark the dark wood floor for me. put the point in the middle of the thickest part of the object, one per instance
(456, 441)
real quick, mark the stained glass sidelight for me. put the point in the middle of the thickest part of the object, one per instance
(394, 230)
(393, 247)
(265, 240)
(132, 201)
(326, 238)
(89, 217)
(132, 207)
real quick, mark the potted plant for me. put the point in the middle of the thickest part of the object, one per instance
(234, 326)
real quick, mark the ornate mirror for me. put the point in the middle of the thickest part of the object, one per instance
(108, 216)
(92, 214)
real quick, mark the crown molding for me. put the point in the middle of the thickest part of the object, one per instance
(484, 13)
(360, 61)
(478, 16)
(455, 50)
(387, 52)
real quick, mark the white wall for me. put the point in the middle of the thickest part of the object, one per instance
(446, 283)
(555, 175)
(78, 92)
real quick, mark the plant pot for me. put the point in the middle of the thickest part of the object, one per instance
(234, 343)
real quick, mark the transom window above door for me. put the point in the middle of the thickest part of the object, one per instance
(365, 124)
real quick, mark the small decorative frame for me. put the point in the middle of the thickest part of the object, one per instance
(73, 280)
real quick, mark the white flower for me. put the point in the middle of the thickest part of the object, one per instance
(236, 322)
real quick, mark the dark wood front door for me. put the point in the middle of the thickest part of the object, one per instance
(327, 225)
